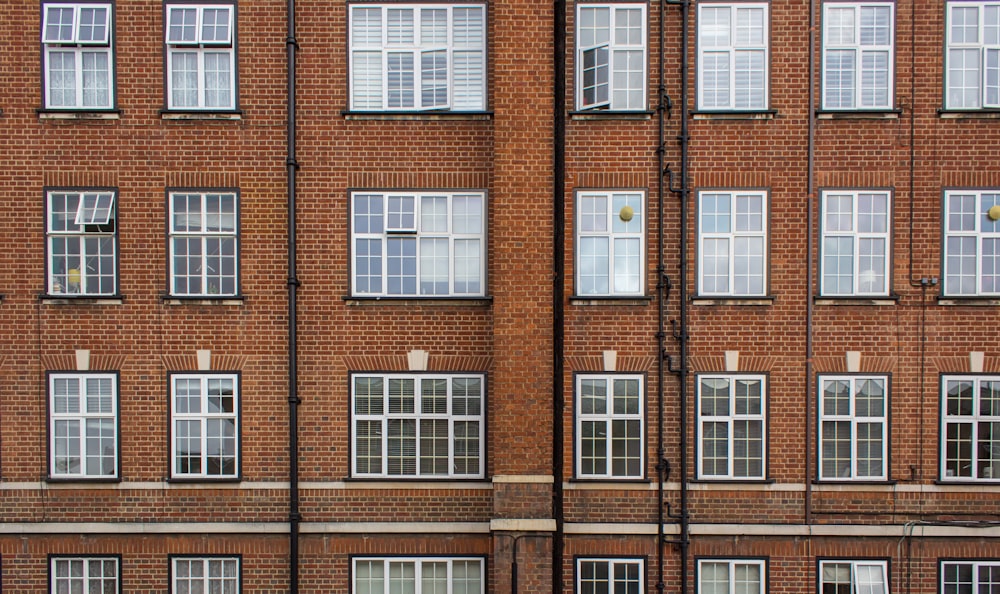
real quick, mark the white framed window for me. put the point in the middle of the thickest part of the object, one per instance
(84, 574)
(853, 420)
(622, 576)
(205, 431)
(77, 44)
(732, 56)
(732, 243)
(610, 426)
(853, 577)
(418, 244)
(418, 426)
(204, 244)
(731, 576)
(731, 426)
(855, 242)
(611, 56)
(418, 575)
(414, 57)
(971, 243)
(610, 243)
(972, 55)
(970, 419)
(970, 577)
(201, 56)
(83, 425)
(858, 55)
(82, 242)
(216, 574)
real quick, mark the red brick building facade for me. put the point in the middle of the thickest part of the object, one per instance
(476, 297)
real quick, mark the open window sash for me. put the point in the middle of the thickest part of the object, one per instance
(95, 209)
(595, 85)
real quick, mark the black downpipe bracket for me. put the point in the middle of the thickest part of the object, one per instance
(558, 290)
(294, 517)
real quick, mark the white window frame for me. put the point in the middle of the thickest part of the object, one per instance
(418, 227)
(612, 421)
(732, 420)
(79, 49)
(981, 462)
(611, 582)
(857, 570)
(956, 585)
(182, 568)
(731, 50)
(378, 421)
(732, 567)
(968, 235)
(732, 237)
(856, 423)
(621, 227)
(612, 50)
(856, 229)
(213, 226)
(983, 91)
(375, 575)
(97, 411)
(90, 573)
(859, 50)
(211, 457)
(373, 46)
(89, 246)
(202, 49)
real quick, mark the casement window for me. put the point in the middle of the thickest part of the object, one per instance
(610, 258)
(82, 243)
(970, 418)
(201, 57)
(621, 576)
(418, 244)
(731, 576)
(204, 255)
(610, 426)
(858, 55)
(71, 575)
(418, 426)
(83, 425)
(77, 51)
(853, 577)
(611, 56)
(732, 243)
(855, 244)
(971, 243)
(418, 575)
(970, 577)
(972, 55)
(731, 426)
(204, 417)
(853, 421)
(732, 56)
(218, 575)
(418, 57)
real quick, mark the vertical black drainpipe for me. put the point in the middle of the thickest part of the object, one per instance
(294, 517)
(810, 235)
(662, 281)
(683, 337)
(558, 290)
